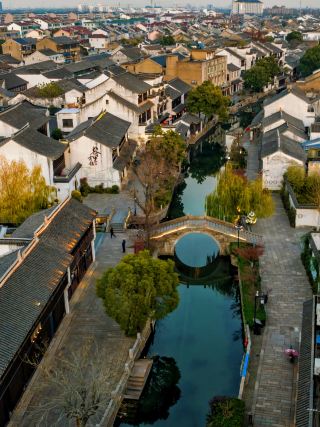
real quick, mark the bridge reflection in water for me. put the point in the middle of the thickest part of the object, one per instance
(198, 263)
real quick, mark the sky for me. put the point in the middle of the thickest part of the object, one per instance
(218, 3)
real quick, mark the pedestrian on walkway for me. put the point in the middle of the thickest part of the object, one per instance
(123, 245)
(112, 233)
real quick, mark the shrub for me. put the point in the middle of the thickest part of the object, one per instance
(49, 90)
(76, 195)
(84, 187)
(226, 412)
(115, 189)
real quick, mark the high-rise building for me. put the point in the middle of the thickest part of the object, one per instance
(1, 6)
(247, 7)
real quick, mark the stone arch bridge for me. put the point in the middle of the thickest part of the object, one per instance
(166, 234)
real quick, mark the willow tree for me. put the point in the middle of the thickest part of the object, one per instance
(22, 192)
(234, 195)
(139, 288)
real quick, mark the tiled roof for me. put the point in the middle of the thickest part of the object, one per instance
(273, 141)
(109, 130)
(131, 82)
(138, 109)
(21, 114)
(24, 295)
(282, 115)
(304, 416)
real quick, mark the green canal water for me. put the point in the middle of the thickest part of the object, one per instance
(197, 348)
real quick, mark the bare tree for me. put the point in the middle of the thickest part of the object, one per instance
(77, 387)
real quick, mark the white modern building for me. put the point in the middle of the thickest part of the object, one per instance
(247, 7)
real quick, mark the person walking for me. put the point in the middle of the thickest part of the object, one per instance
(112, 232)
(123, 245)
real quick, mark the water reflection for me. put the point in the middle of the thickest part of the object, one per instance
(199, 181)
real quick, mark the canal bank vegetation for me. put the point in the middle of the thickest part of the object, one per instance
(235, 195)
(226, 412)
(139, 288)
(250, 281)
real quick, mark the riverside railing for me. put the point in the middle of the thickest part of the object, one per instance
(117, 394)
(199, 222)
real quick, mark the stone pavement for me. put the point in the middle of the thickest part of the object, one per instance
(283, 275)
(252, 148)
(87, 321)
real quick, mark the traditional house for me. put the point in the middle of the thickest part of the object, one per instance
(103, 148)
(25, 136)
(278, 152)
(292, 101)
(132, 99)
(68, 47)
(19, 48)
(54, 249)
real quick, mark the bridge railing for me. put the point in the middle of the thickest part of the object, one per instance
(194, 222)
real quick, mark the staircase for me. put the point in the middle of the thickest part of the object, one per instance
(118, 221)
(138, 378)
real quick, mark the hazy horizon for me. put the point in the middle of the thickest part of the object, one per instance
(15, 4)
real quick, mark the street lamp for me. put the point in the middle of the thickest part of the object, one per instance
(263, 299)
(238, 227)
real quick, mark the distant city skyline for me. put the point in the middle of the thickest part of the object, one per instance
(9, 4)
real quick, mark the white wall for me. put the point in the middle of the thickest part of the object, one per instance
(34, 79)
(64, 189)
(103, 171)
(292, 105)
(13, 151)
(273, 168)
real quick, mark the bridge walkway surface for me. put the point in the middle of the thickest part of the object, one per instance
(198, 223)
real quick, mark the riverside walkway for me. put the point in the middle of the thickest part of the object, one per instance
(87, 322)
(271, 391)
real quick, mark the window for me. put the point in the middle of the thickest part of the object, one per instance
(310, 109)
(67, 123)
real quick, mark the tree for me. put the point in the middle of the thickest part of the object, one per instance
(76, 387)
(256, 78)
(170, 145)
(139, 288)
(250, 253)
(209, 100)
(314, 189)
(294, 38)
(22, 192)
(156, 170)
(167, 40)
(226, 412)
(56, 134)
(310, 61)
(49, 90)
(234, 196)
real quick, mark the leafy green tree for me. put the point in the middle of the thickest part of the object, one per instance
(234, 195)
(169, 145)
(49, 90)
(139, 288)
(256, 78)
(167, 40)
(271, 65)
(209, 100)
(22, 192)
(310, 61)
(294, 36)
(56, 134)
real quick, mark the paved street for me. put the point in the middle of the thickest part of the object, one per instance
(272, 378)
(87, 322)
(284, 276)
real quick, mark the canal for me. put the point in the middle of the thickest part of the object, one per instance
(197, 348)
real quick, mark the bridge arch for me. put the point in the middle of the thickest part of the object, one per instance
(187, 232)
